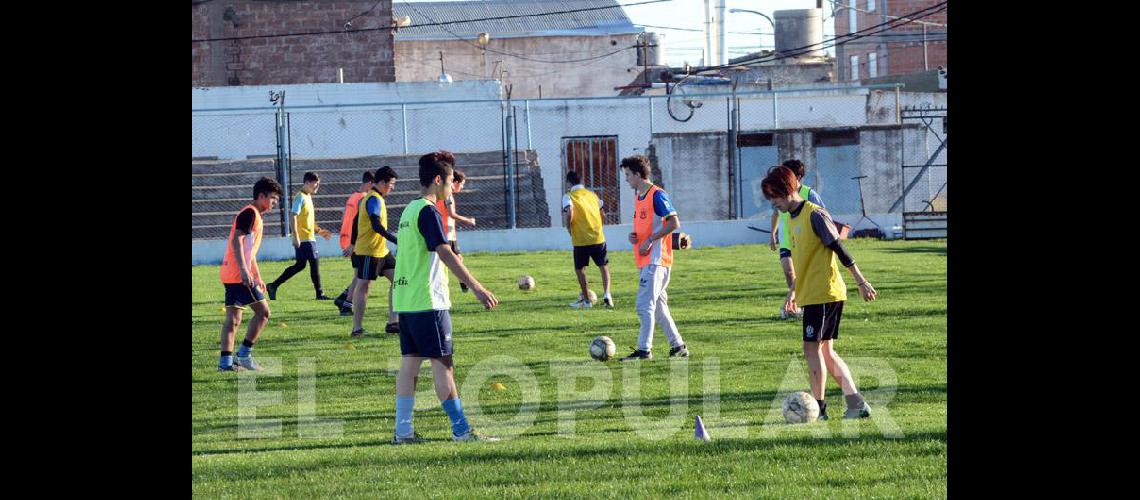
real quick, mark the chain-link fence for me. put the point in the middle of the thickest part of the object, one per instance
(868, 154)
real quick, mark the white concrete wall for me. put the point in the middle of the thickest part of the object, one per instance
(314, 94)
(704, 233)
(476, 127)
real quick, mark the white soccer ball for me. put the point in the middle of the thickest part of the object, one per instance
(526, 282)
(592, 297)
(800, 408)
(784, 314)
(602, 348)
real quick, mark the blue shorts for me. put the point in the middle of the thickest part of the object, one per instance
(239, 295)
(425, 334)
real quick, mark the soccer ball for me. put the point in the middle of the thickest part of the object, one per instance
(800, 408)
(591, 296)
(784, 314)
(602, 348)
(526, 282)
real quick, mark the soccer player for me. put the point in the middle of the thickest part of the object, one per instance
(654, 218)
(582, 216)
(780, 219)
(818, 287)
(344, 300)
(447, 211)
(422, 301)
(242, 279)
(305, 229)
(370, 254)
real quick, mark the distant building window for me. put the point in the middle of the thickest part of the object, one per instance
(872, 65)
(854, 68)
(870, 5)
(852, 17)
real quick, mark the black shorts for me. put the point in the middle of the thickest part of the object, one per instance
(306, 251)
(425, 334)
(239, 295)
(369, 268)
(454, 246)
(597, 253)
(821, 321)
(355, 262)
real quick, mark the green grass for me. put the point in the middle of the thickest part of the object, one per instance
(724, 301)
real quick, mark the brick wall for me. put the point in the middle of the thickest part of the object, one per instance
(896, 57)
(365, 56)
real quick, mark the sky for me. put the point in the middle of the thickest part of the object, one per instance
(686, 46)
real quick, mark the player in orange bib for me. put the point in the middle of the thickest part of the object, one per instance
(344, 300)
(654, 218)
(242, 279)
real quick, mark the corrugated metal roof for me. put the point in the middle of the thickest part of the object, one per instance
(593, 22)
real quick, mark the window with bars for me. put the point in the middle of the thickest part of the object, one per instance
(595, 160)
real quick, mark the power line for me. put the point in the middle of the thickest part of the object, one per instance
(863, 33)
(386, 28)
(353, 18)
(836, 6)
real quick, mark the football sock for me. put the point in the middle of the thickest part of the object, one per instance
(404, 406)
(454, 410)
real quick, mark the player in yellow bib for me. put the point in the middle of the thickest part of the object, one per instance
(780, 220)
(370, 255)
(305, 231)
(582, 216)
(818, 287)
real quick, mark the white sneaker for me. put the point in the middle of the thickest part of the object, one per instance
(608, 301)
(470, 435)
(581, 304)
(247, 363)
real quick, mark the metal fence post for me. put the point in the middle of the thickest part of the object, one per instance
(526, 104)
(775, 110)
(404, 122)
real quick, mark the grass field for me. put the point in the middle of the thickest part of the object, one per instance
(745, 360)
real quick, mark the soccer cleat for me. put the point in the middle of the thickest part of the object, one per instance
(392, 328)
(853, 413)
(271, 288)
(359, 333)
(321, 296)
(231, 368)
(823, 416)
(463, 287)
(581, 304)
(680, 351)
(346, 311)
(247, 363)
(413, 439)
(470, 435)
(638, 354)
(608, 301)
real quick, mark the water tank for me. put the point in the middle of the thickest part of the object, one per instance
(656, 49)
(799, 28)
